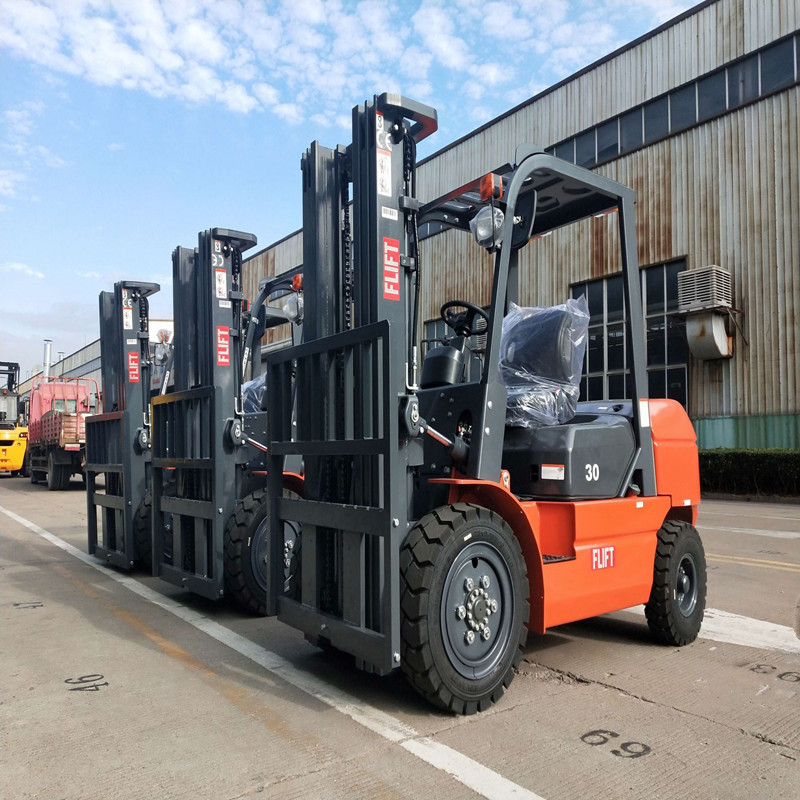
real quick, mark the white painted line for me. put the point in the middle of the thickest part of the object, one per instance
(753, 531)
(722, 626)
(745, 512)
(482, 780)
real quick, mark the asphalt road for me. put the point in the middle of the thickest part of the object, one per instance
(118, 686)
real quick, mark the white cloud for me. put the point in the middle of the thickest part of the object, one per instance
(9, 181)
(16, 266)
(267, 94)
(19, 122)
(300, 59)
(289, 112)
(47, 157)
(94, 276)
(115, 147)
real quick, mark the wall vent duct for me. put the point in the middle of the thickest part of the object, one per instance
(704, 289)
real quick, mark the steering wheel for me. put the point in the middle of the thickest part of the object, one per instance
(462, 323)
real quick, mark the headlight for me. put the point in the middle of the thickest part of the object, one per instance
(487, 227)
(293, 307)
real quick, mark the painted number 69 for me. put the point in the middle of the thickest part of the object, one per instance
(592, 472)
(626, 749)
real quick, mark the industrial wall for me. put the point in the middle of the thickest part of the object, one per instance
(723, 191)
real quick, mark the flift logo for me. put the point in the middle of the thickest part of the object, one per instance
(133, 367)
(391, 269)
(602, 557)
(223, 346)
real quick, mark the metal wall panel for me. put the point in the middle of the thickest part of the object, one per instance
(726, 192)
(712, 36)
(273, 260)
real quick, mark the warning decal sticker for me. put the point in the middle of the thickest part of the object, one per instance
(221, 284)
(552, 472)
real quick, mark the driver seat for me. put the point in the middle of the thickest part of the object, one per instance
(443, 366)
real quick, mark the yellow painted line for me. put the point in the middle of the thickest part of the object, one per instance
(783, 566)
(248, 701)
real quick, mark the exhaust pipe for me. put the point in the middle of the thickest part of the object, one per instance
(48, 344)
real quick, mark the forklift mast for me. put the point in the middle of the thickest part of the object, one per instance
(118, 440)
(356, 418)
(198, 429)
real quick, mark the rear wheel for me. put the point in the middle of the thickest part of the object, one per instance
(246, 553)
(57, 474)
(25, 471)
(678, 597)
(142, 533)
(464, 607)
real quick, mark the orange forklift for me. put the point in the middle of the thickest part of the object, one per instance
(440, 520)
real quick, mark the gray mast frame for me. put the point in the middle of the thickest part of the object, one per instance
(351, 385)
(114, 440)
(191, 445)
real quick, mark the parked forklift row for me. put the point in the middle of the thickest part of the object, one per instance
(418, 510)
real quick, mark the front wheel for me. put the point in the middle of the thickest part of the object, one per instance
(678, 598)
(246, 553)
(143, 532)
(464, 607)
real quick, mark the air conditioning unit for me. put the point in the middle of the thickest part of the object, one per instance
(706, 297)
(704, 289)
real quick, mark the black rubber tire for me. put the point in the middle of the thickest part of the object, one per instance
(35, 476)
(57, 475)
(446, 545)
(678, 598)
(25, 471)
(245, 553)
(143, 533)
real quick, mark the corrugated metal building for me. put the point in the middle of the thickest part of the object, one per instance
(701, 118)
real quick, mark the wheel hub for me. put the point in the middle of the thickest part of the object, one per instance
(686, 588)
(476, 621)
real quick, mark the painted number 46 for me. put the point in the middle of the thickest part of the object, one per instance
(592, 472)
(86, 683)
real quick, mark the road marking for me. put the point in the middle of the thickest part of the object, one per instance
(785, 566)
(472, 774)
(723, 626)
(708, 513)
(753, 531)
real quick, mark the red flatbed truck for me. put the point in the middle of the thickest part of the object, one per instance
(58, 409)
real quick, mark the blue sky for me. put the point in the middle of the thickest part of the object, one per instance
(126, 126)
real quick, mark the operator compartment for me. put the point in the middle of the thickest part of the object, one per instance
(587, 457)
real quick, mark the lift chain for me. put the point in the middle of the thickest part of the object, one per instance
(236, 268)
(347, 261)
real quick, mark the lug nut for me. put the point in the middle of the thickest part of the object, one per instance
(485, 581)
(469, 637)
(461, 612)
(494, 606)
(486, 633)
(469, 584)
